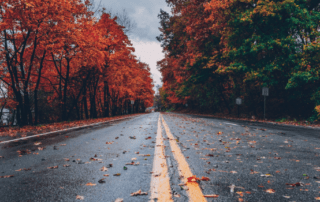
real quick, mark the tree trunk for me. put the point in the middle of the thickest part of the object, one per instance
(36, 112)
(64, 112)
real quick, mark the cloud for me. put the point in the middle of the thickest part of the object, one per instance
(149, 52)
(143, 12)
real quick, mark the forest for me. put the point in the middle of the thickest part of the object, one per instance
(220, 50)
(61, 61)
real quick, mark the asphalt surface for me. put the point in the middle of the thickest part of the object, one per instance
(244, 161)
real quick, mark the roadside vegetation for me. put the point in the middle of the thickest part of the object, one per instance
(66, 60)
(217, 51)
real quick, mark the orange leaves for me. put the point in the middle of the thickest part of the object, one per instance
(90, 184)
(205, 179)
(212, 196)
(137, 193)
(6, 176)
(270, 191)
(193, 179)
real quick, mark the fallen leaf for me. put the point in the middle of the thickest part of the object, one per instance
(119, 200)
(53, 167)
(296, 184)
(90, 184)
(109, 142)
(104, 168)
(106, 175)
(240, 200)
(117, 174)
(212, 196)
(205, 178)
(137, 193)
(266, 175)
(317, 198)
(6, 176)
(270, 191)
(79, 197)
(177, 195)
(37, 143)
(193, 179)
(66, 165)
(286, 196)
(233, 172)
(102, 180)
(63, 144)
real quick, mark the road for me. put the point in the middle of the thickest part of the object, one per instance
(157, 154)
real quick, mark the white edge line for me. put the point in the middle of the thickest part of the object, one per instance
(231, 124)
(57, 131)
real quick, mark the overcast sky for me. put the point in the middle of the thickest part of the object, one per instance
(145, 14)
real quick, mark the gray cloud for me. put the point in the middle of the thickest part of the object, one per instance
(143, 12)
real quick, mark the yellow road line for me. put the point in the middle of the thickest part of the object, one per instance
(194, 191)
(160, 182)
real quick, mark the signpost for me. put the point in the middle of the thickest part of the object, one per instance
(186, 105)
(238, 102)
(265, 92)
(132, 103)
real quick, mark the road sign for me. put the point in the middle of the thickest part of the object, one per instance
(238, 101)
(265, 91)
(132, 102)
(186, 105)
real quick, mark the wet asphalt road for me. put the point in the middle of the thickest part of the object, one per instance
(258, 159)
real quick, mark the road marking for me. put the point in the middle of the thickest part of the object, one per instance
(231, 124)
(63, 130)
(160, 182)
(194, 191)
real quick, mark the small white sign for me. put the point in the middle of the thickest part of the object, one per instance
(132, 102)
(238, 101)
(265, 91)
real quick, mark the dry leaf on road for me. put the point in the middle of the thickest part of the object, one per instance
(104, 168)
(212, 196)
(205, 178)
(270, 191)
(137, 193)
(90, 184)
(53, 167)
(79, 197)
(6, 176)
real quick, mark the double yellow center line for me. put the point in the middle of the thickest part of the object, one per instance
(160, 182)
